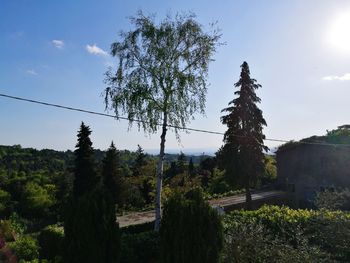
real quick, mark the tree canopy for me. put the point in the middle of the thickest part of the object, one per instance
(244, 147)
(85, 173)
(161, 76)
(162, 69)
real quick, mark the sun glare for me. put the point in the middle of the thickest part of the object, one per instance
(339, 34)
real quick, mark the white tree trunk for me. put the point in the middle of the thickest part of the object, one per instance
(158, 204)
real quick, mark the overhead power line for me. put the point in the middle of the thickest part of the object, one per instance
(158, 124)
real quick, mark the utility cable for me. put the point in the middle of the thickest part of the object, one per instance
(158, 124)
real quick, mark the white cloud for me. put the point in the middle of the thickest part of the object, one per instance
(31, 72)
(346, 76)
(95, 50)
(58, 43)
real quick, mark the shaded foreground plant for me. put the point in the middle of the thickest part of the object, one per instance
(191, 230)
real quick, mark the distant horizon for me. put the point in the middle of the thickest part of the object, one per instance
(188, 152)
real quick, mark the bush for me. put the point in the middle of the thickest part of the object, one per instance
(191, 230)
(136, 229)
(140, 247)
(51, 242)
(327, 231)
(91, 231)
(333, 199)
(6, 230)
(26, 248)
(247, 242)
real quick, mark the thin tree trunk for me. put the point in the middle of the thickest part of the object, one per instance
(158, 204)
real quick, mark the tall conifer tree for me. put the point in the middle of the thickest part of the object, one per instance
(91, 231)
(139, 161)
(111, 174)
(244, 139)
(85, 174)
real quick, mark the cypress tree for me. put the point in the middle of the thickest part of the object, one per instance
(91, 231)
(86, 177)
(244, 140)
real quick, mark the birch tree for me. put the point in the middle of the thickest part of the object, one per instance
(161, 77)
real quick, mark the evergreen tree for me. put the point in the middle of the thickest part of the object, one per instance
(91, 231)
(85, 174)
(244, 140)
(111, 174)
(181, 163)
(139, 161)
(191, 167)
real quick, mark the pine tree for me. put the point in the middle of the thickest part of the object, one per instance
(111, 174)
(244, 139)
(85, 174)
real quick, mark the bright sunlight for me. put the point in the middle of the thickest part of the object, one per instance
(339, 33)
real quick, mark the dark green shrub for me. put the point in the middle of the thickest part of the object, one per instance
(91, 231)
(51, 241)
(135, 229)
(328, 231)
(25, 248)
(251, 241)
(140, 247)
(333, 199)
(191, 230)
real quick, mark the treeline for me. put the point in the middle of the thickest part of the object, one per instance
(35, 184)
(87, 213)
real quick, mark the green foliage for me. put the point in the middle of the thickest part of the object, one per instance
(251, 241)
(35, 181)
(337, 136)
(6, 230)
(333, 199)
(5, 198)
(209, 196)
(140, 161)
(134, 229)
(18, 224)
(11, 228)
(85, 173)
(91, 231)
(162, 70)
(218, 184)
(270, 174)
(162, 74)
(325, 231)
(37, 200)
(242, 154)
(140, 247)
(26, 248)
(112, 176)
(51, 242)
(191, 230)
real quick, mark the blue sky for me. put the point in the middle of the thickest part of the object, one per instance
(58, 51)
